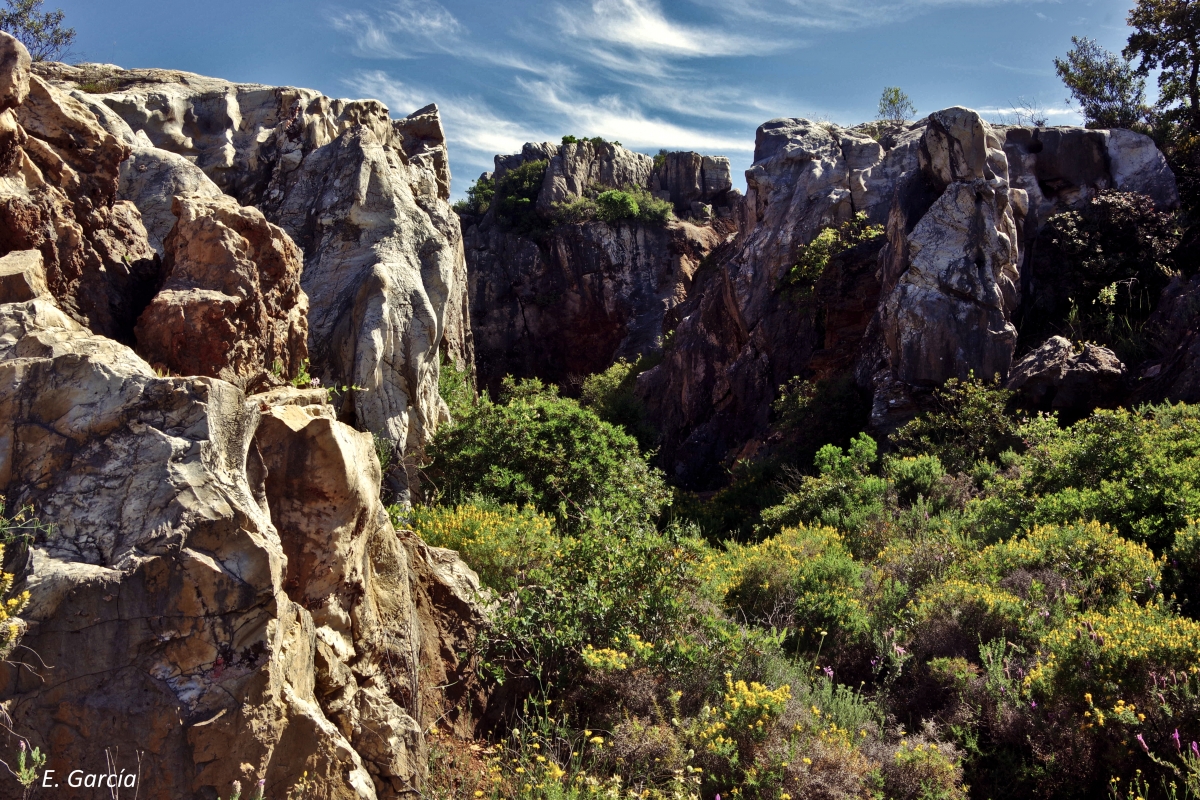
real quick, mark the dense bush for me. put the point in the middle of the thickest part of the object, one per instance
(611, 395)
(515, 196)
(1098, 272)
(815, 256)
(537, 448)
(479, 196)
(615, 205)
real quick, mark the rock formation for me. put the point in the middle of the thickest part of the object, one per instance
(231, 306)
(1057, 377)
(931, 299)
(1175, 373)
(363, 195)
(570, 299)
(219, 594)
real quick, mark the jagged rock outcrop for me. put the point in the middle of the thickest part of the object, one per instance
(222, 591)
(219, 593)
(58, 197)
(231, 306)
(569, 299)
(931, 299)
(1058, 377)
(365, 198)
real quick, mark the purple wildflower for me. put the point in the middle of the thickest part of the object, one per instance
(1142, 742)
(1175, 736)
(1195, 750)
(1033, 703)
(828, 672)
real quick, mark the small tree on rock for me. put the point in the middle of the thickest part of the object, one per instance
(895, 107)
(40, 31)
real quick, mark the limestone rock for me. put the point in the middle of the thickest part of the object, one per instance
(685, 178)
(579, 166)
(231, 305)
(387, 305)
(151, 179)
(60, 172)
(221, 590)
(1057, 377)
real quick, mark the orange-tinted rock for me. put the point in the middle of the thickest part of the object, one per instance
(231, 305)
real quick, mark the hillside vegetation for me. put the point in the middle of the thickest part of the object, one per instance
(999, 606)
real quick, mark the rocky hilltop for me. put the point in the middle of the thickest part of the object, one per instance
(216, 592)
(566, 298)
(958, 205)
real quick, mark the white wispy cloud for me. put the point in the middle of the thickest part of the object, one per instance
(840, 15)
(641, 26)
(400, 29)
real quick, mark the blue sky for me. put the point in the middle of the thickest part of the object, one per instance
(698, 75)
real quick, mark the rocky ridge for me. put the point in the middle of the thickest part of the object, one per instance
(933, 298)
(364, 196)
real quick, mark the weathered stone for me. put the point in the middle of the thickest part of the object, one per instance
(151, 179)
(686, 178)
(1058, 377)
(386, 306)
(1174, 372)
(215, 565)
(579, 166)
(231, 305)
(22, 276)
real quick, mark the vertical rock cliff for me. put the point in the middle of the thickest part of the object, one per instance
(568, 298)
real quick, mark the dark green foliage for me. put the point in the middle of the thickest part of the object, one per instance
(595, 141)
(536, 448)
(631, 203)
(455, 389)
(660, 160)
(815, 256)
(969, 423)
(40, 31)
(1106, 86)
(1138, 471)
(516, 193)
(479, 197)
(611, 395)
(1164, 38)
(1098, 272)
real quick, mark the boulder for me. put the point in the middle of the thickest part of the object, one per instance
(1057, 376)
(22, 276)
(151, 179)
(231, 305)
(1174, 373)
(580, 166)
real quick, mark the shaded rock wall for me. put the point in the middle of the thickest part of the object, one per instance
(570, 299)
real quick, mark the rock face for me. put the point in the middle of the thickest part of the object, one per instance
(58, 197)
(221, 591)
(1176, 326)
(1056, 377)
(220, 594)
(568, 300)
(932, 298)
(231, 306)
(365, 198)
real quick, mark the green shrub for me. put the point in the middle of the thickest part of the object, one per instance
(540, 449)
(516, 193)
(611, 395)
(615, 205)
(479, 197)
(969, 423)
(845, 496)
(815, 256)
(1182, 570)
(502, 544)
(1138, 471)
(454, 387)
(803, 579)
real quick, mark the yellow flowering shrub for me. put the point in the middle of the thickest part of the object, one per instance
(500, 542)
(923, 771)
(1112, 653)
(803, 579)
(10, 627)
